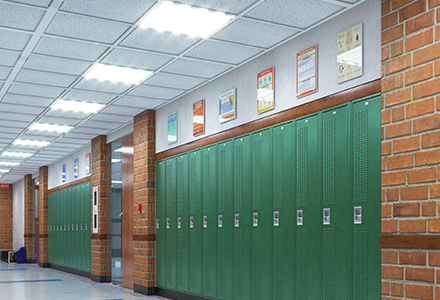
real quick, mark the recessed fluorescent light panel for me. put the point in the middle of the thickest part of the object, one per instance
(185, 19)
(50, 127)
(8, 163)
(117, 74)
(31, 143)
(77, 106)
(4, 171)
(17, 154)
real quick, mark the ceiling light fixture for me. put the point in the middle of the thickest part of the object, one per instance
(4, 171)
(17, 154)
(50, 127)
(8, 163)
(31, 143)
(185, 19)
(117, 74)
(77, 106)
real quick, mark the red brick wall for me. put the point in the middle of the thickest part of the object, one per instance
(6, 218)
(29, 218)
(410, 144)
(144, 194)
(42, 217)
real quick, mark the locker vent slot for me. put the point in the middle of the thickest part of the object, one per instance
(169, 262)
(238, 263)
(329, 275)
(258, 148)
(278, 171)
(278, 278)
(169, 185)
(302, 159)
(192, 259)
(360, 156)
(192, 186)
(180, 275)
(221, 263)
(180, 187)
(238, 177)
(206, 182)
(360, 266)
(329, 162)
(221, 179)
(206, 263)
(257, 265)
(302, 270)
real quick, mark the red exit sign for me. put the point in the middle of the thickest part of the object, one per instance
(4, 186)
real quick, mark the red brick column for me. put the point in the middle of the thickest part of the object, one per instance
(100, 241)
(42, 217)
(6, 218)
(144, 194)
(410, 149)
(29, 218)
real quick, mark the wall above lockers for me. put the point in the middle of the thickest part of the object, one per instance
(283, 58)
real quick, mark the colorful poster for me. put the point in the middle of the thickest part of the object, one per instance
(172, 128)
(199, 117)
(75, 168)
(227, 106)
(350, 53)
(265, 90)
(87, 164)
(63, 173)
(306, 70)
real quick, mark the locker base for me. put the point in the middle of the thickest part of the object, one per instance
(44, 265)
(144, 290)
(69, 270)
(177, 295)
(100, 279)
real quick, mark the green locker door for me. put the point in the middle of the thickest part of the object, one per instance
(242, 218)
(88, 226)
(196, 224)
(209, 222)
(70, 199)
(308, 194)
(75, 246)
(183, 224)
(335, 201)
(80, 220)
(366, 194)
(263, 215)
(160, 224)
(56, 227)
(225, 220)
(49, 233)
(171, 224)
(63, 252)
(283, 235)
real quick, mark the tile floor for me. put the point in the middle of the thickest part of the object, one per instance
(29, 282)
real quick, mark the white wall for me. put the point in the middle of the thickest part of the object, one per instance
(18, 214)
(283, 59)
(126, 130)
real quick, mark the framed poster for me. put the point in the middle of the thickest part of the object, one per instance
(227, 106)
(75, 168)
(306, 70)
(87, 164)
(199, 117)
(265, 90)
(350, 53)
(63, 173)
(172, 128)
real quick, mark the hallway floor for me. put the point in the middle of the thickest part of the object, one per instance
(29, 282)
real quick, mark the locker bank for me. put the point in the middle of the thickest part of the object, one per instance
(227, 150)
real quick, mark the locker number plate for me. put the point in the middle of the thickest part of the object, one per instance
(205, 221)
(237, 220)
(358, 215)
(326, 216)
(255, 219)
(276, 218)
(191, 222)
(299, 218)
(220, 221)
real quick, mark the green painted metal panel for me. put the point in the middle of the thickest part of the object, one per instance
(160, 223)
(64, 228)
(69, 234)
(49, 233)
(183, 217)
(88, 227)
(171, 223)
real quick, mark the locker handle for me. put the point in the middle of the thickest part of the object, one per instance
(122, 214)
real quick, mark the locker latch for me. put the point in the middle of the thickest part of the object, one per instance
(179, 223)
(157, 223)
(255, 219)
(191, 222)
(358, 215)
(326, 216)
(237, 220)
(220, 221)
(205, 221)
(81, 226)
(276, 218)
(299, 218)
(76, 227)
(168, 223)
(86, 225)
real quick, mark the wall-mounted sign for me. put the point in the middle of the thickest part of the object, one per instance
(172, 128)
(87, 164)
(63, 173)
(306, 70)
(350, 53)
(265, 90)
(95, 210)
(227, 106)
(199, 117)
(4, 186)
(75, 168)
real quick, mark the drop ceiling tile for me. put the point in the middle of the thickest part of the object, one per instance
(56, 65)
(174, 81)
(141, 103)
(18, 148)
(12, 108)
(228, 6)
(59, 121)
(20, 17)
(133, 9)
(14, 117)
(32, 137)
(196, 68)
(112, 118)
(67, 114)
(35, 90)
(4, 73)
(89, 130)
(10, 130)
(102, 86)
(350, 1)
(87, 96)
(254, 33)
(85, 28)
(27, 100)
(1, 84)
(155, 92)
(66, 145)
(77, 142)
(153, 40)
(42, 3)
(122, 110)
(13, 40)
(69, 49)
(8, 58)
(136, 59)
(4, 141)
(297, 13)
(45, 78)
(84, 136)
(101, 125)
(16, 124)
(44, 134)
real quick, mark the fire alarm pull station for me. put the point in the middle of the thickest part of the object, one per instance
(95, 210)
(140, 208)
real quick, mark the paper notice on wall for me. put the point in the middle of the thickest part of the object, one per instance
(350, 53)
(227, 106)
(306, 70)
(199, 117)
(265, 90)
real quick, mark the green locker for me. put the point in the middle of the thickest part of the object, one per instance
(56, 228)
(88, 227)
(74, 233)
(308, 194)
(225, 219)
(49, 233)
(242, 218)
(195, 221)
(79, 219)
(283, 235)
(63, 231)
(264, 219)
(171, 223)
(69, 253)
(182, 224)
(160, 224)
(209, 221)
(335, 201)
(366, 198)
